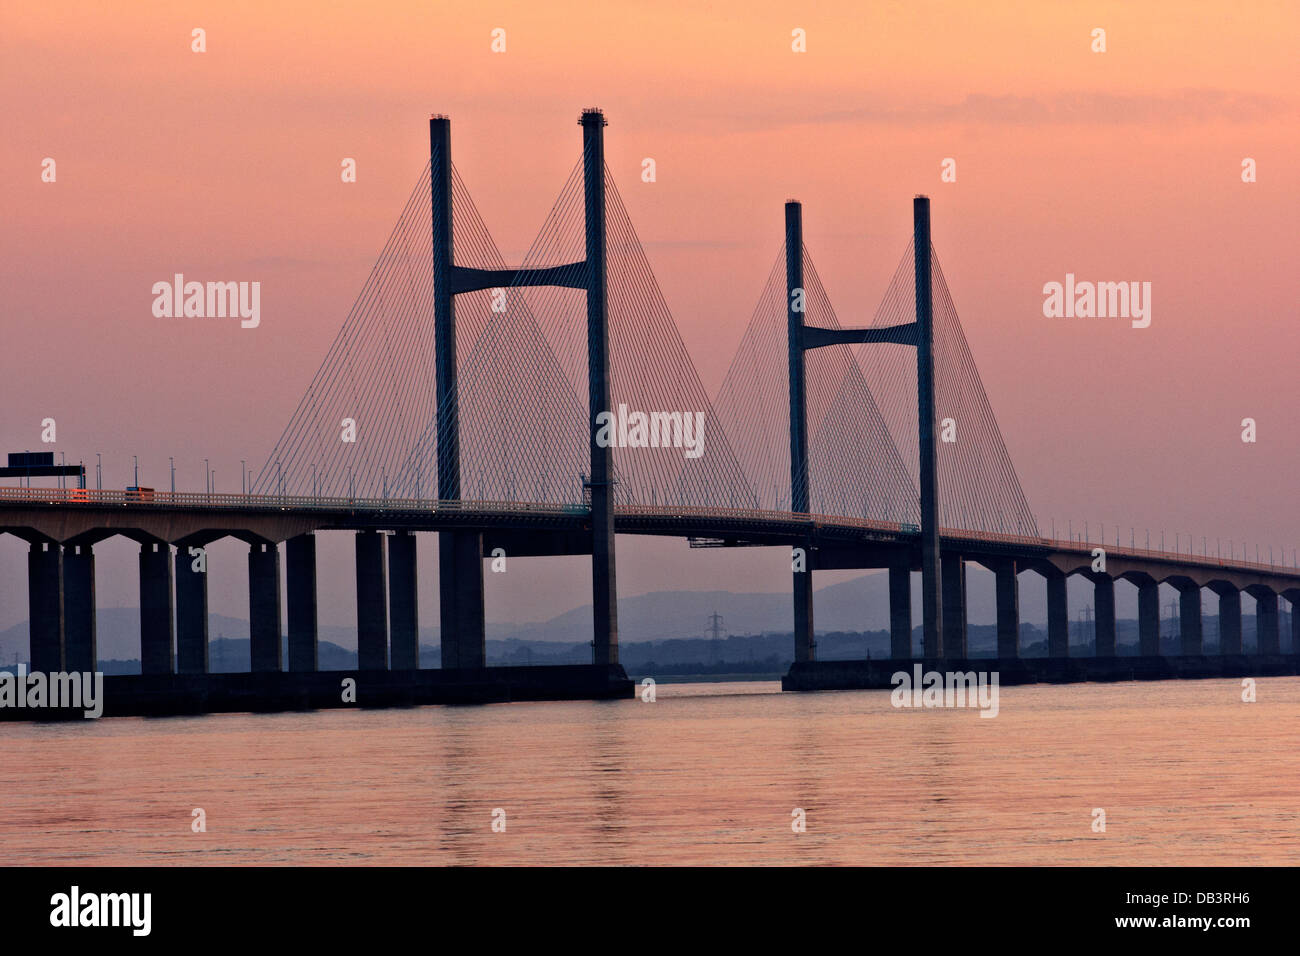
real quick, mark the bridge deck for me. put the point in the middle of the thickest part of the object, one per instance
(78, 514)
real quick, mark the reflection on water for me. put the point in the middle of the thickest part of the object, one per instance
(709, 773)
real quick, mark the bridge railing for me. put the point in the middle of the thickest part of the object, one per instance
(995, 537)
(188, 499)
(1179, 557)
(1083, 547)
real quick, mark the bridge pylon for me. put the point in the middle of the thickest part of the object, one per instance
(463, 636)
(461, 552)
(920, 335)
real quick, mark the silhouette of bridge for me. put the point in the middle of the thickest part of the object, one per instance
(452, 401)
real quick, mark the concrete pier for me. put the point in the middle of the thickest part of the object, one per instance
(1295, 624)
(1104, 610)
(45, 603)
(460, 569)
(1148, 618)
(191, 611)
(1058, 616)
(953, 572)
(1229, 620)
(403, 602)
(1189, 620)
(300, 576)
(264, 607)
(157, 634)
(1008, 609)
(900, 611)
(805, 642)
(372, 602)
(81, 651)
(1268, 639)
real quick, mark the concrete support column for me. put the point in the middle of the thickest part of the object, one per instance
(1008, 600)
(403, 601)
(45, 606)
(603, 580)
(1189, 620)
(1295, 626)
(1149, 619)
(1230, 621)
(191, 610)
(460, 582)
(81, 651)
(805, 641)
(264, 607)
(372, 602)
(1267, 636)
(1058, 616)
(300, 572)
(1104, 605)
(900, 611)
(157, 632)
(604, 591)
(953, 572)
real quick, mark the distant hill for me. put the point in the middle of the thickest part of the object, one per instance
(861, 604)
(118, 635)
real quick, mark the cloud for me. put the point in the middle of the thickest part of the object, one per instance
(1079, 107)
(1075, 107)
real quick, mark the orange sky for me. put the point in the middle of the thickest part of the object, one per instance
(1123, 165)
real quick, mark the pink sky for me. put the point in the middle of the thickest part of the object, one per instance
(1123, 165)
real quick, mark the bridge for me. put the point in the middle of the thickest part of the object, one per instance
(451, 402)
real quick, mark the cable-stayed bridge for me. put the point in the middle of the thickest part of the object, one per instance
(541, 409)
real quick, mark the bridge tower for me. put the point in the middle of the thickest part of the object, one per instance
(461, 552)
(805, 644)
(918, 334)
(604, 595)
(931, 606)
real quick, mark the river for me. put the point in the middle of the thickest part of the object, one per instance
(1185, 772)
